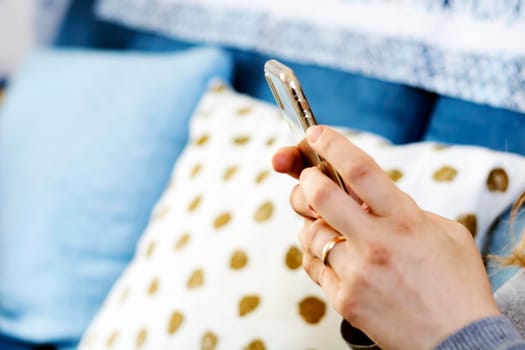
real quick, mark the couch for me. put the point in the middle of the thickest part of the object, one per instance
(106, 163)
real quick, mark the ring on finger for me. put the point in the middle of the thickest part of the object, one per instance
(327, 248)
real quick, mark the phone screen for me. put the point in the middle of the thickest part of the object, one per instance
(284, 101)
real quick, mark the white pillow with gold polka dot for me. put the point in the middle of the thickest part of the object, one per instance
(219, 266)
(472, 185)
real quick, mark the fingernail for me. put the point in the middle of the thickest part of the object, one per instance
(313, 133)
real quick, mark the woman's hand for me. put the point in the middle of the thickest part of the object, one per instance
(407, 277)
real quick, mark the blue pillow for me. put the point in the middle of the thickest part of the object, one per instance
(87, 143)
(461, 122)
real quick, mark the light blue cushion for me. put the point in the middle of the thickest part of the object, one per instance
(87, 142)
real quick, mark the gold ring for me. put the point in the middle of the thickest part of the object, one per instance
(329, 246)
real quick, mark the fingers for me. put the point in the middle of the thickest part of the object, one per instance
(319, 234)
(288, 160)
(300, 205)
(369, 182)
(336, 207)
(322, 275)
(314, 237)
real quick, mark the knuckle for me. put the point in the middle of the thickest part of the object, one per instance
(360, 167)
(319, 196)
(460, 233)
(404, 227)
(376, 254)
(308, 265)
(406, 224)
(346, 303)
(313, 230)
(293, 199)
(297, 202)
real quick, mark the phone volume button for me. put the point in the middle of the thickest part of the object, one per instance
(304, 105)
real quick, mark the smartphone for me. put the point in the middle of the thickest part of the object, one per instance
(294, 107)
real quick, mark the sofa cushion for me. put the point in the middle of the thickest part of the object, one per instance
(461, 122)
(87, 143)
(219, 266)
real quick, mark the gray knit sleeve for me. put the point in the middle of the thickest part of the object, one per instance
(493, 333)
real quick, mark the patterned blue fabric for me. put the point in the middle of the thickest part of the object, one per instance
(338, 98)
(507, 10)
(496, 79)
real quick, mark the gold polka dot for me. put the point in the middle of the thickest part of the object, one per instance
(270, 142)
(160, 212)
(244, 111)
(248, 304)
(196, 279)
(256, 344)
(202, 140)
(124, 295)
(445, 174)
(90, 340)
(264, 212)
(262, 176)
(312, 310)
(394, 174)
(294, 258)
(218, 88)
(153, 286)
(194, 204)
(209, 341)
(238, 260)
(112, 339)
(196, 170)
(229, 173)
(150, 249)
(351, 133)
(440, 147)
(182, 241)
(241, 140)
(141, 337)
(470, 221)
(175, 322)
(498, 180)
(222, 220)
(203, 114)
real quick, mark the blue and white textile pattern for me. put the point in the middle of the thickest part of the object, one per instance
(470, 49)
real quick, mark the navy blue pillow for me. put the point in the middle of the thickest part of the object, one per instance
(460, 122)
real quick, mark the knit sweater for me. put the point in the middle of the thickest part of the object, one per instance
(505, 332)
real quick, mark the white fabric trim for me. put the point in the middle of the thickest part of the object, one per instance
(449, 49)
